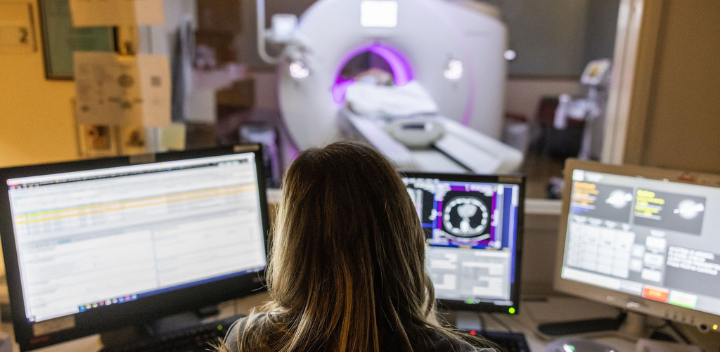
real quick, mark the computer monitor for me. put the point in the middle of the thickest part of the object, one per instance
(642, 239)
(473, 234)
(100, 244)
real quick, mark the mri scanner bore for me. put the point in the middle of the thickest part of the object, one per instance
(433, 100)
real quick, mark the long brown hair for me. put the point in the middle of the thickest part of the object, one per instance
(347, 267)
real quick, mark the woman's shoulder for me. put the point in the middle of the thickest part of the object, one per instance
(235, 333)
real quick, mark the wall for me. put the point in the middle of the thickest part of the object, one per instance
(602, 16)
(36, 123)
(522, 95)
(558, 37)
(543, 32)
(681, 126)
(539, 254)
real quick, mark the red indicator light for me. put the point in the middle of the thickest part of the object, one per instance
(472, 332)
(654, 293)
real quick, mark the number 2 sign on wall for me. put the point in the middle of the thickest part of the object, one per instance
(17, 31)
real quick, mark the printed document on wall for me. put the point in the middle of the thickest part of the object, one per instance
(113, 89)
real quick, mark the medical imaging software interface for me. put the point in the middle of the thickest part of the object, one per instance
(89, 239)
(649, 238)
(470, 231)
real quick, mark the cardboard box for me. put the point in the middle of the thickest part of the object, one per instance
(219, 16)
(241, 95)
(222, 42)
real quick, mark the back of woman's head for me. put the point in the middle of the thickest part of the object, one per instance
(348, 256)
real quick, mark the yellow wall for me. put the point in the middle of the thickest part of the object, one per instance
(36, 118)
(680, 129)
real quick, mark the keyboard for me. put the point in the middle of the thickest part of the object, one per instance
(508, 341)
(198, 338)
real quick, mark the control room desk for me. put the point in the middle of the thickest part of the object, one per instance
(521, 323)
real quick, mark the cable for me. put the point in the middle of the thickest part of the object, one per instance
(482, 323)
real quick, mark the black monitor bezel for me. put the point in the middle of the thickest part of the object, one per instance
(142, 310)
(514, 179)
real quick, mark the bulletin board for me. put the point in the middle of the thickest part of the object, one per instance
(61, 39)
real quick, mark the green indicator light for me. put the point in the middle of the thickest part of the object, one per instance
(470, 301)
(220, 327)
(511, 310)
(683, 299)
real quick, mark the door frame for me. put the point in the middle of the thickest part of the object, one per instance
(636, 40)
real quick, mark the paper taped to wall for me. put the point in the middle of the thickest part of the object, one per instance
(122, 90)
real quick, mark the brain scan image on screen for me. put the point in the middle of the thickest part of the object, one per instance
(466, 217)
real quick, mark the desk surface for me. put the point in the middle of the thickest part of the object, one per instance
(522, 323)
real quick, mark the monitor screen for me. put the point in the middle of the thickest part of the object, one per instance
(649, 238)
(87, 240)
(471, 233)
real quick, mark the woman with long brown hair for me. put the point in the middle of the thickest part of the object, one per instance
(347, 266)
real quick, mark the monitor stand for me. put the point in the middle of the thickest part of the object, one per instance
(583, 326)
(181, 321)
(159, 327)
(634, 325)
(628, 324)
(463, 320)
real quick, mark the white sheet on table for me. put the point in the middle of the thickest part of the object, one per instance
(389, 101)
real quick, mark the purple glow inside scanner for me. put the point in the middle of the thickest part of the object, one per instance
(400, 67)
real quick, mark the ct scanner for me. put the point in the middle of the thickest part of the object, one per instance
(453, 49)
